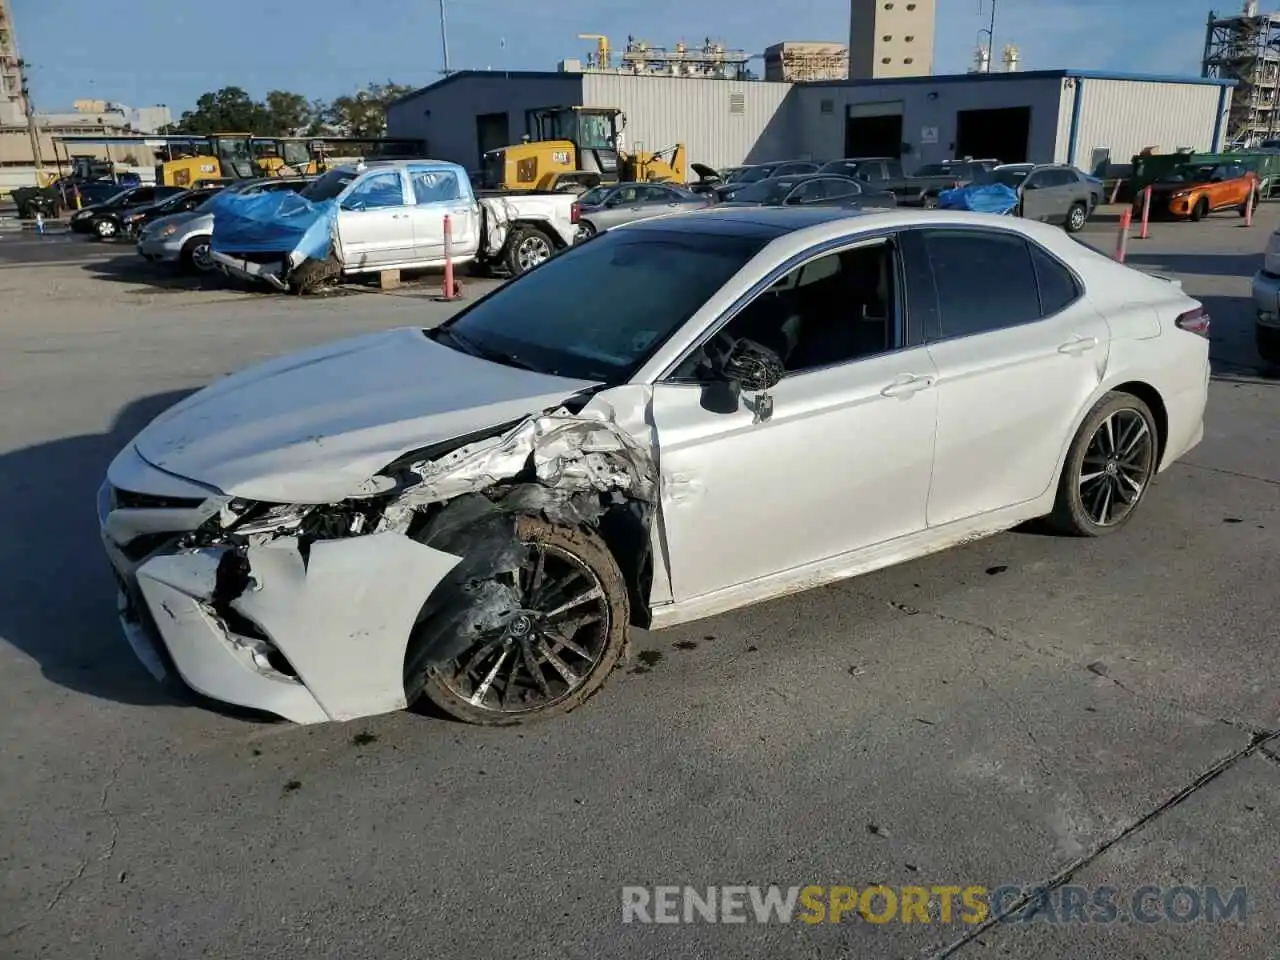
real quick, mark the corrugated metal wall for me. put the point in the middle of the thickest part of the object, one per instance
(1124, 116)
(445, 115)
(721, 122)
(821, 112)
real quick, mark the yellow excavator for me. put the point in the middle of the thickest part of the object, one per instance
(183, 162)
(575, 148)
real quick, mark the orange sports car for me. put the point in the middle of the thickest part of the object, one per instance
(1192, 190)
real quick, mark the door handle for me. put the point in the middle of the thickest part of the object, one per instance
(399, 216)
(1078, 346)
(906, 385)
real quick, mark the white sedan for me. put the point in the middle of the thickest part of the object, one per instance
(674, 419)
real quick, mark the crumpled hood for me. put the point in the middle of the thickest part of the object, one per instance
(312, 426)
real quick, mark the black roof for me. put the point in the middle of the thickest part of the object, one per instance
(765, 222)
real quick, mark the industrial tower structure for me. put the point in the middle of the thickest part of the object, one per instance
(1244, 48)
(640, 57)
(13, 107)
(803, 61)
(891, 38)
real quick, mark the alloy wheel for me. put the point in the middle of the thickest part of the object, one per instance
(547, 648)
(1117, 466)
(200, 257)
(532, 251)
(1077, 218)
(106, 228)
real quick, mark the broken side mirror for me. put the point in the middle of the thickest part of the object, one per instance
(753, 368)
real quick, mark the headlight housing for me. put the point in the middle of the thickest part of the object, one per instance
(169, 230)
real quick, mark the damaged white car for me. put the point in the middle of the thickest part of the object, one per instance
(674, 419)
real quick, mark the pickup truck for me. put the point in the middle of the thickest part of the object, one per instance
(385, 215)
(922, 188)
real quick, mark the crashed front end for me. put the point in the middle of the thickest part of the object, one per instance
(271, 236)
(315, 612)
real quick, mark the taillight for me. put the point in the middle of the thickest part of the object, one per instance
(1194, 321)
(575, 211)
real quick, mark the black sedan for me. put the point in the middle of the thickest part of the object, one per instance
(130, 220)
(103, 219)
(820, 189)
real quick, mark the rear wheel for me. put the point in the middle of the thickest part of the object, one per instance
(105, 229)
(527, 248)
(1108, 468)
(1201, 210)
(1077, 216)
(930, 203)
(555, 651)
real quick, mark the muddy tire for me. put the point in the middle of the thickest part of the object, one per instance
(527, 248)
(1108, 469)
(312, 274)
(554, 654)
(1200, 211)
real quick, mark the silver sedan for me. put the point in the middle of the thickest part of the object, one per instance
(612, 206)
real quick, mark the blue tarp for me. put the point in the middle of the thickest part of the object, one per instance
(272, 222)
(980, 198)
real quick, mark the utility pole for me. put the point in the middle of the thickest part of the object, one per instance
(991, 37)
(444, 39)
(33, 130)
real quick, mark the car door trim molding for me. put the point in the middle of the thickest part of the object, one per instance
(825, 248)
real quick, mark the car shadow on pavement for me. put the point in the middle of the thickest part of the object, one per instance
(1198, 264)
(137, 272)
(58, 598)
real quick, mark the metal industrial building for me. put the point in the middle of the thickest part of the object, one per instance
(1071, 116)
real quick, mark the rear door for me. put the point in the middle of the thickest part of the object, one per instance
(1017, 361)
(438, 192)
(373, 221)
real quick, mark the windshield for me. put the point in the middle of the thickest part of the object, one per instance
(766, 191)
(1010, 176)
(296, 153)
(733, 174)
(175, 200)
(654, 281)
(1192, 173)
(595, 131)
(329, 186)
(593, 197)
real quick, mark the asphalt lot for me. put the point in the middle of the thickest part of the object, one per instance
(1015, 711)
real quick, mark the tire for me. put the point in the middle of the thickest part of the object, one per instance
(453, 689)
(930, 203)
(1077, 217)
(195, 255)
(105, 229)
(527, 247)
(585, 232)
(1102, 466)
(1200, 211)
(1268, 341)
(311, 274)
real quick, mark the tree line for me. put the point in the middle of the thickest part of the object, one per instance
(285, 114)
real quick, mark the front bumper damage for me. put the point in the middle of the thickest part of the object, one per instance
(330, 612)
(272, 271)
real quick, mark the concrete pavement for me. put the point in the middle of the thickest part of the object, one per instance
(1016, 711)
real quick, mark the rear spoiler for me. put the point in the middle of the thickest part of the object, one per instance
(1156, 274)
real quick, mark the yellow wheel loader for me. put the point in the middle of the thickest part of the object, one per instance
(576, 148)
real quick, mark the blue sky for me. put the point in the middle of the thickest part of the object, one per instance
(161, 51)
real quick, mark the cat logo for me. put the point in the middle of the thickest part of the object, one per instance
(560, 156)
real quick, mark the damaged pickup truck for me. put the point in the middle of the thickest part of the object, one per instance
(477, 513)
(385, 215)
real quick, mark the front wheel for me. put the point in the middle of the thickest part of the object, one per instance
(105, 229)
(1108, 468)
(527, 248)
(552, 652)
(584, 232)
(1077, 216)
(196, 256)
(1201, 210)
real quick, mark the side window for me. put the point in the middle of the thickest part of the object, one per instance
(831, 310)
(434, 186)
(964, 264)
(651, 194)
(810, 191)
(625, 195)
(1058, 288)
(870, 172)
(142, 195)
(376, 192)
(1037, 181)
(842, 188)
(893, 169)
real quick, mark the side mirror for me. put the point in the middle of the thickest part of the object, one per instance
(753, 367)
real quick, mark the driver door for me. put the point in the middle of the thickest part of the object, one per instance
(836, 457)
(1038, 197)
(374, 222)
